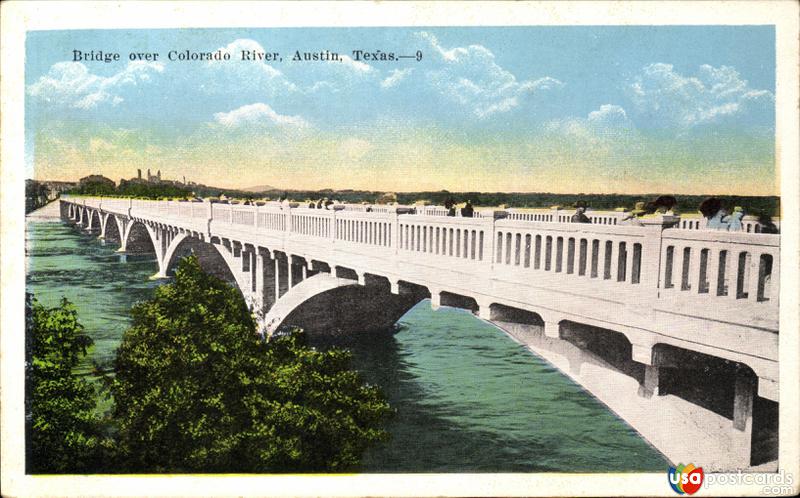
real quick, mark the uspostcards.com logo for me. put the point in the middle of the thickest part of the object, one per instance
(685, 479)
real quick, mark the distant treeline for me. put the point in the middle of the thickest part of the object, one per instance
(686, 203)
(131, 189)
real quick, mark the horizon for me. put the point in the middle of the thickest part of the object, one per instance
(542, 192)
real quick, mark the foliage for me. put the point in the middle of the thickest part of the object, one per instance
(151, 190)
(197, 389)
(63, 432)
(126, 188)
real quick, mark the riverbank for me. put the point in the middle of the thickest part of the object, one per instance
(49, 212)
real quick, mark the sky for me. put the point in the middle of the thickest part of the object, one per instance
(656, 109)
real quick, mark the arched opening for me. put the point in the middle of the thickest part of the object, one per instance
(211, 261)
(349, 308)
(112, 230)
(507, 314)
(607, 345)
(139, 240)
(458, 301)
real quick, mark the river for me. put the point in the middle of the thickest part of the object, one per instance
(467, 397)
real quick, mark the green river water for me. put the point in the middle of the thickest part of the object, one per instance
(468, 398)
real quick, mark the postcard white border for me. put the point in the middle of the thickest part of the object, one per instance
(19, 17)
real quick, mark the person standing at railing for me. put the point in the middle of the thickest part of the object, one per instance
(766, 225)
(467, 211)
(734, 221)
(580, 213)
(450, 205)
(633, 218)
(714, 213)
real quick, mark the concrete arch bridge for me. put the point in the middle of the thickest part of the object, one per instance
(677, 322)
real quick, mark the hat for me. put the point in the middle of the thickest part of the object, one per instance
(580, 204)
(638, 208)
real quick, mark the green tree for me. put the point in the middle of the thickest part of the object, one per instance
(197, 390)
(63, 432)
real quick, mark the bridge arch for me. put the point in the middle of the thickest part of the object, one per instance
(138, 237)
(214, 259)
(325, 303)
(113, 230)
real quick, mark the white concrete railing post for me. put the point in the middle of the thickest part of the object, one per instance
(651, 267)
(333, 231)
(491, 236)
(209, 219)
(395, 231)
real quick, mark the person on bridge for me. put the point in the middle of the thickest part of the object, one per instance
(580, 216)
(734, 221)
(633, 218)
(766, 225)
(467, 211)
(450, 205)
(714, 213)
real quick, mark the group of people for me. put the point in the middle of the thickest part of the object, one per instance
(717, 216)
(323, 203)
(466, 212)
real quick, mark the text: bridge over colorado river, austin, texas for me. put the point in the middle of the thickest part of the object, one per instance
(647, 305)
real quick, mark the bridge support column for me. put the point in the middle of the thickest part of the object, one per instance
(281, 274)
(103, 225)
(642, 353)
(436, 298)
(744, 392)
(484, 309)
(268, 285)
(650, 385)
(552, 329)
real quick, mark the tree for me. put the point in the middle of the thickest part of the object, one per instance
(63, 432)
(197, 390)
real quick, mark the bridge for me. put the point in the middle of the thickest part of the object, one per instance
(674, 327)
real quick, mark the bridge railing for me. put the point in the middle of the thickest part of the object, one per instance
(715, 273)
(724, 273)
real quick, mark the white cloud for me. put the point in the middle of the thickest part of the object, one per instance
(252, 75)
(664, 95)
(602, 129)
(609, 114)
(395, 77)
(471, 76)
(354, 148)
(357, 66)
(70, 84)
(258, 114)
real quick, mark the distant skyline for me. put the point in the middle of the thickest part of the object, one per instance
(687, 110)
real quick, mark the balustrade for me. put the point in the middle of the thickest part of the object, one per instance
(683, 264)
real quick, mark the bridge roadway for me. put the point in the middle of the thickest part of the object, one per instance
(680, 297)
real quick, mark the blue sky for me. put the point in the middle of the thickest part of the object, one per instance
(563, 109)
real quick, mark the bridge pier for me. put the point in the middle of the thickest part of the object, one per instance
(436, 298)
(552, 329)
(648, 387)
(743, 418)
